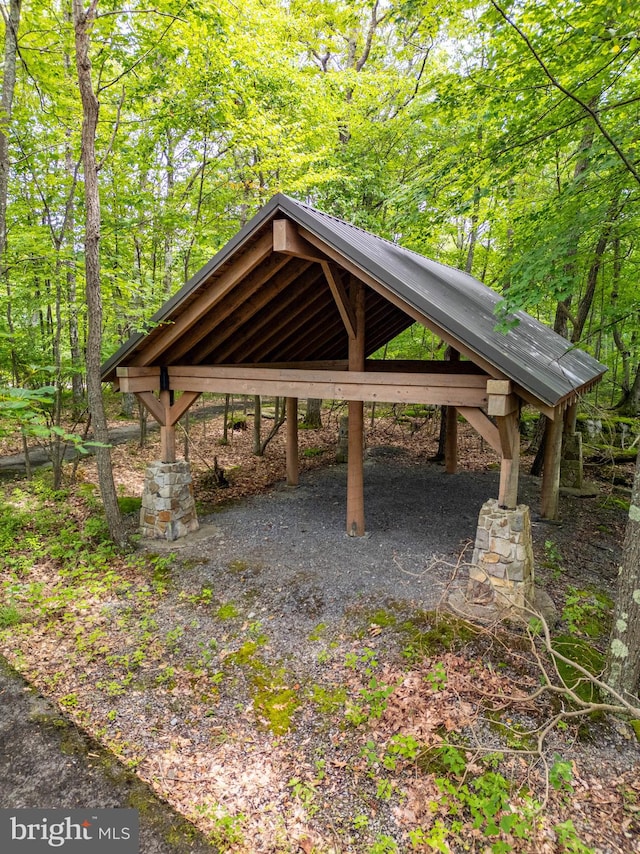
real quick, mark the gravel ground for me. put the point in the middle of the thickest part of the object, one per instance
(287, 552)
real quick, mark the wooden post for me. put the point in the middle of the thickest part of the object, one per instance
(355, 463)
(509, 429)
(167, 431)
(551, 471)
(292, 441)
(451, 425)
(451, 440)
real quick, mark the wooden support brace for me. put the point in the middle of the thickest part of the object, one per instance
(341, 298)
(152, 405)
(184, 402)
(486, 428)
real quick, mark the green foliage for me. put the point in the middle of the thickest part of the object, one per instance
(587, 612)
(581, 652)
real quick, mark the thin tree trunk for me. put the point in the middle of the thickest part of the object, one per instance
(82, 22)
(12, 23)
(584, 306)
(313, 414)
(622, 669)
(257, 423)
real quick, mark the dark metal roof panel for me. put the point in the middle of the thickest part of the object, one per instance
(533, 355)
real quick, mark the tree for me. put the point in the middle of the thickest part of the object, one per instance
(82, 23)
(622, 670)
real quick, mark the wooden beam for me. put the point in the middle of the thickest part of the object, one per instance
(242, 309)
(455, 390)
(235, 303)
(133, 385)
(292, 441)
(341, 298)
(256, 340)
(486, 428)
(355, 461)
(182, 404)
(287, 239)
(166, 336)
(509, 430)
(152, 405)
(551, 470)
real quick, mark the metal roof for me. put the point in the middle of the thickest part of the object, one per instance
(408, 287)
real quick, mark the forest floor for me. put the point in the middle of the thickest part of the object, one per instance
(288, 688)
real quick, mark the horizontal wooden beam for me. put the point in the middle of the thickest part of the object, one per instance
(437, 389)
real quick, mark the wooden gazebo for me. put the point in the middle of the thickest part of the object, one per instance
(295, 304)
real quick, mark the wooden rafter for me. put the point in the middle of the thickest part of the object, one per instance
(257, 339)
(246, 311)
(207, 301)
(257, 281)
(299, 306)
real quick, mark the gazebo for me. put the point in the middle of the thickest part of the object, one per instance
(296, 303)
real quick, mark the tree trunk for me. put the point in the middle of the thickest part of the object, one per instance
(313, 416)
(82, 22)
(622, 669)
(6, 107)
(12, 22)
(257, 424)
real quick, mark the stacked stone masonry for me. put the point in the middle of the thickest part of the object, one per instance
(502, 566)
(168, 508)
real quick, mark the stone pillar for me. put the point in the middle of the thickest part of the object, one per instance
(168, 509)
(501, 574)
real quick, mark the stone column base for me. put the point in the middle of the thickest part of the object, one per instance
(168, 509)
(501, 574)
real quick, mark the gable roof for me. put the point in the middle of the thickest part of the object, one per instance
(283, 309)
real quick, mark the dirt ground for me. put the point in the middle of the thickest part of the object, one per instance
(262, 679)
